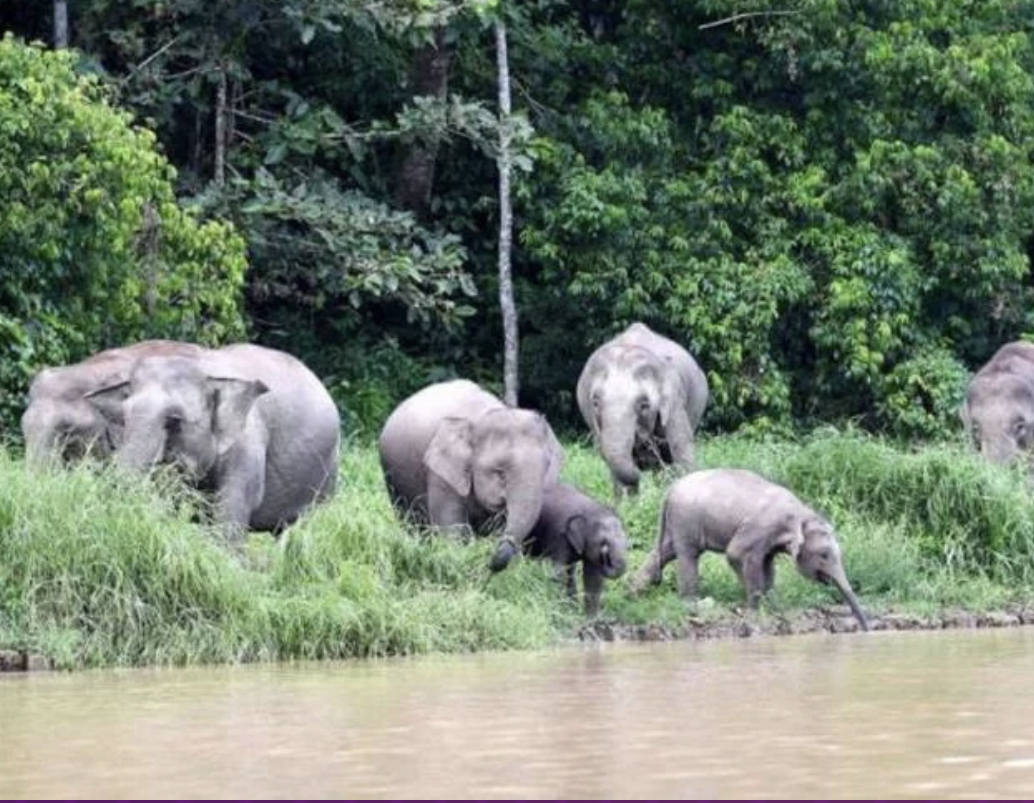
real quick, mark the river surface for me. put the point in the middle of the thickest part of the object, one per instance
(946, 714)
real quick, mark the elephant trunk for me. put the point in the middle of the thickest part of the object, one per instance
(997, 450)
(617, 441)
(141, 448)
(523, 507)
(840, 581)
(41, 448)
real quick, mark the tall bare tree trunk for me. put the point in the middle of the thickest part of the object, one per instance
(60, 24)
(505, 162)
(429, 76)
(219, 171)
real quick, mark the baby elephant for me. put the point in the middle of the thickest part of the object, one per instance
(575, 527)
(750, 519)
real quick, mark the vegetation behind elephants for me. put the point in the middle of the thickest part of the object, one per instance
(829, 205)
(97, 571)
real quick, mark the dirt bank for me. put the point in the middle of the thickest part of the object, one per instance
(831, 619)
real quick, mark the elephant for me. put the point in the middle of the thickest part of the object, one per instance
(998, 411)
(251, 425)
(60, 423)
(574, 527)
(751, 519)
(455, 457)
(643, 396)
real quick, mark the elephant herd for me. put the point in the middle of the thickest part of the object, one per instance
(258, 431)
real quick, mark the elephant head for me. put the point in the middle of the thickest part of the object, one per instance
(503, 460)
(998, 414)
(815, 549)
(172, 412)
(632, 399)
(601, 542)
(58, 429)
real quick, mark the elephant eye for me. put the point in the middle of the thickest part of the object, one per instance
(642, 404)
(173, 424)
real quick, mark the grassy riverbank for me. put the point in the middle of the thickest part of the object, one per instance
(98, 571)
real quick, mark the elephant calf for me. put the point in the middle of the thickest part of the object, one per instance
(643, 396)
(573, 527)
(750, 519)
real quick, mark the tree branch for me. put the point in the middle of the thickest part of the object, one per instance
(746, 15)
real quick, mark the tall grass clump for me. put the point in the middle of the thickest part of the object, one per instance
(100, 569)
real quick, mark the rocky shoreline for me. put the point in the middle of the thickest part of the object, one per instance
(831, 619)
(724, 625)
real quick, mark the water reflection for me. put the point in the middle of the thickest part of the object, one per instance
(880, 715)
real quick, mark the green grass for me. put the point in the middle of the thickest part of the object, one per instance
(98, 570)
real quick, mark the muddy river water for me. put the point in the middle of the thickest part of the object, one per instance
(945, 714)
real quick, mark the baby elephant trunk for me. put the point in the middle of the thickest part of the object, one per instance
(839, 579)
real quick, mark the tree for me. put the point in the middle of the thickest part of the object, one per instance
(507, 302)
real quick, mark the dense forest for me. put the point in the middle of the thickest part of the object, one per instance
(828, 201)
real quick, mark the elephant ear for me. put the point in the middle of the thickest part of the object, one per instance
(108, 401)
(554, 453)
(449, 454)
(230, 401)
(577, 533)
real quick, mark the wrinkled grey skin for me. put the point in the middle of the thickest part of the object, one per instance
(750, 519)
(454, 456)
(998, 412)
(575, 528)
(252, 425)
(642, 396)
(60, 424)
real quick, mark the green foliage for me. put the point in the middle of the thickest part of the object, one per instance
(96, 250)
(921, 397)
(814, 204)
(817, 204)
(317, 247)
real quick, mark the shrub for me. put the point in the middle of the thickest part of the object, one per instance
(96, 251)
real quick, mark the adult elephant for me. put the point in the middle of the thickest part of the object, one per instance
(60, 422)
(454, 456)
(642, 396)
(250, 424)
(998, 412)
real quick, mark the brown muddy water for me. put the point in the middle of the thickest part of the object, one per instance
(947, 714)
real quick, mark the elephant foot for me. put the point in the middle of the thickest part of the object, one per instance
(504, 553)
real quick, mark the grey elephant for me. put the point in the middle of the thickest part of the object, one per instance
(252, 425)
(998, 411)
(60, 423)
(751, 519)
(455, 457)
(642, 396)
(575, 528)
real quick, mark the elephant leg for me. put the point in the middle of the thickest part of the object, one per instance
(769, 572)
(566, 575)
(592, 581)
(688, 559)
(240, 489)
(650, 573)
(750, 568)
